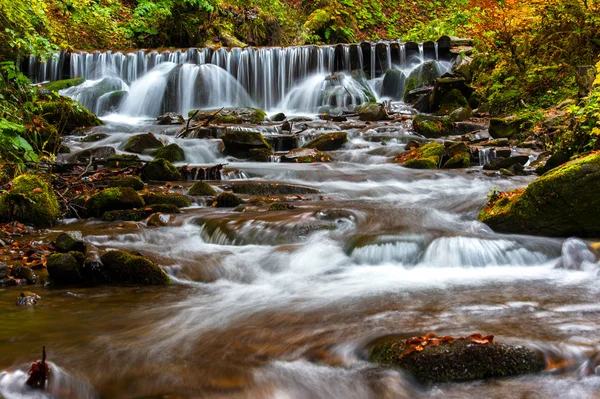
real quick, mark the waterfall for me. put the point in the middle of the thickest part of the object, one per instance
(271, 78)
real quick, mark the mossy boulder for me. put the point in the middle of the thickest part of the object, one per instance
(231, 115)
(372, 112)
(160, 170)
(67, 115)
(59, 85)
(180, 201)
(427, 128)
(127, 181)
(201, 188)
(457, 155)
(66, 242)
(239, 143)
(125, 268)
(111, 199)
(63, 269)
(328, 141)
(459, 360)
(422, 75)
(31, 201)
(227, 199)
(260, 154)
(563, 202)
(91, 138)
(171, 152)
(279, 117)
(142, 142)
(130, 215)
(427, 156)
(259, 188)
(460, 114)
(450, 93)
(123, 161)
(504, 127)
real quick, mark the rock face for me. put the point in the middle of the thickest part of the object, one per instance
(171, 152)
(31, 201)
(111, 199)
(456, 360)
(563, 202)
(328, 142)
(125, 268)
(239, 143)
(160, 170)
(142, 142)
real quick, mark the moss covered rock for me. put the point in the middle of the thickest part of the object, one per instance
(504, 127)
(459, 360)
(460, 114)
(227, 200)
(239, 143)
(160, 170)
(123, 161)
(372, 112)
(127, 181)
(31, 201)
(449, 94)
(427, 156)
(125, 268)
(422, 75)
(63, 269)
(260, 188)
(67, 115)
(66, 242)
(231, 115)
(142, 142)
(427, 128)
(130, 215)
(201, 188)
(328, 141)
(563, 202)
(260, 154)
(180, 201)
(456, 156)
(111, 199)
(58, 85)
(171, 152)
(91, 138)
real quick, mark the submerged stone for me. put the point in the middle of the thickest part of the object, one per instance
(563, 202)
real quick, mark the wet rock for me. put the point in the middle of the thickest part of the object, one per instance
(281, 206)
(92, 138)
(125, 268)
(422, 75)
(575, 254)
(178, 200)
(231, 115)
(427, 156)
(372, 112)
(239, 143)
(227, 200)
(27, 299)
(450, 93)
(170, 118)
(103, 152)
(92, 271)
(305, 155)
(66, 242)
(504, 127)
(142, 142)
(160, 170)
(129, 215)
(123, 161)
(3, 270)
(461, 360)
(427, 128)
(67, 115)
(127, 181)
(260, 155)
(171, 152)
(505, 163)
(31, 200)
(256, 188)
(563, 202)
(111, 199)
(63, 269)
(556, 159)
(457, 156)
(158, 220)
(201, 188)
(24, 272)
(328, 141)
(393, 85)
(460, 115)
(280, 117)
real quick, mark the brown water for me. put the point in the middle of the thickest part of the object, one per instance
(284, 304)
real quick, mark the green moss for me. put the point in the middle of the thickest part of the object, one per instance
(201, 188)
(452, 101)
(58, 85)
(503, 127)
(127, 181)
(160, 170)
(125, 268)
(63, 269)
(65, 242)
(427, 156)
(30, 201)
(227, 200)
(231, 115)
(178, 200)
(563, 202)
(131, 215)
(458, 161)
(142, 142)
(259, 188)
(172, 153)
(461, 360)
(239, 143)
(78, 256)
(328, 142)
(422, 163)
(67, 115)
(427, 128)
(111, 199)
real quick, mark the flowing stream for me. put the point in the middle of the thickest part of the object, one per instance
(284, 304)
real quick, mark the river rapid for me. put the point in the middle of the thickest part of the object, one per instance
(284, 304)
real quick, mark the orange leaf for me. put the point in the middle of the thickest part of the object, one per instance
(37, 190)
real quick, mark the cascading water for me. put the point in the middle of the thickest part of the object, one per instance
(145, 84)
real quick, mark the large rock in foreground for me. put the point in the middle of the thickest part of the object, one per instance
(31, 200)
(432, 359)
(125, 268)
(563, 202)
